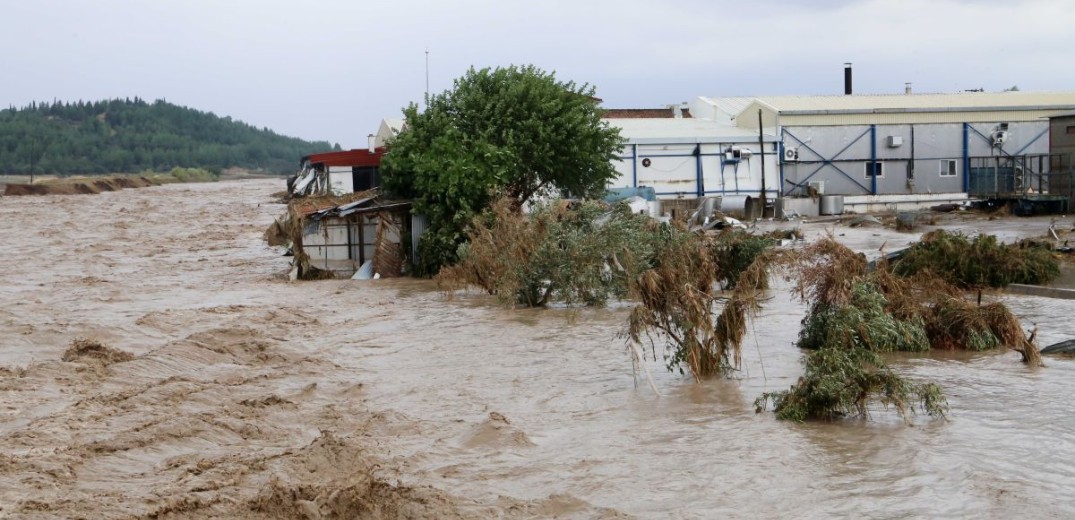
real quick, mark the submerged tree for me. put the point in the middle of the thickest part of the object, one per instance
(516, 131)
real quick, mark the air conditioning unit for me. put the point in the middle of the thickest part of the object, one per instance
(999, 137)
(736, 154)
(817, 187)
(791, 154)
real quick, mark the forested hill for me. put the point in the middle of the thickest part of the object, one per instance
(125, 135)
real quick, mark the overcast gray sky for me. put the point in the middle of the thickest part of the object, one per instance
(331, 69)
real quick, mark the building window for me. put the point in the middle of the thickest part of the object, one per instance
(875, 169)
(948, 168)
(1071, 130)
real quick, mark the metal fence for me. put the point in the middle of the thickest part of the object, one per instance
(1018, 176)
(1031, 183)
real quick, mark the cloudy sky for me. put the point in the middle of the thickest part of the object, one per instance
(331, 69)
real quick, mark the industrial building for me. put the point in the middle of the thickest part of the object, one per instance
(683, 158)
(876, 150)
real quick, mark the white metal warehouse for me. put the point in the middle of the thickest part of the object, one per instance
(902, 146)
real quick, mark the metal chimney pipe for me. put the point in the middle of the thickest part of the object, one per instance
(907, 88)
(372, 143)
(847, 79)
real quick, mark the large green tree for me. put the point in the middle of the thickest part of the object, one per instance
(515, 131)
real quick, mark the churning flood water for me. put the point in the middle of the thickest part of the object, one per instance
(245, 396)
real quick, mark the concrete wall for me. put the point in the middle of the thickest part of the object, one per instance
(826, 150)
(673, 170)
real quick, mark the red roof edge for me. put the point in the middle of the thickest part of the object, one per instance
(359, 157)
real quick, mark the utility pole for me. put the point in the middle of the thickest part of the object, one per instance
(761, 152)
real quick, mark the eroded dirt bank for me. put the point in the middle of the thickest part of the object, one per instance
(205, 386)
(79, 185)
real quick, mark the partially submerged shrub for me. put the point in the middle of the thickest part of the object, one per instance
(574, 253)
(862, 323)
(735, 251)
(680, 297)
(955, 323)
(841, 382)
(978, 262)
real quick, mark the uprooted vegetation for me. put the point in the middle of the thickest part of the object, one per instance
(855, 315)
(979, 262)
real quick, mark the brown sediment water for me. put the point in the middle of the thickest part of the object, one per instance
(217, 388)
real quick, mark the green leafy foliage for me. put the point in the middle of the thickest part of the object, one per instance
(978, 262)
(567, 252)
(734, 252)
(515, 131)
(863, 323)
(130, 136)
(840, 381)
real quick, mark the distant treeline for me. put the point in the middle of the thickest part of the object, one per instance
(131, 135)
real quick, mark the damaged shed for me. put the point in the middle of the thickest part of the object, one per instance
(339, 236)
(338, 173)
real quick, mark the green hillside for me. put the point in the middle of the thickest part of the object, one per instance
(125, 135)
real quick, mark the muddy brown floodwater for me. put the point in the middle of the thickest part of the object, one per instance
(208, 386)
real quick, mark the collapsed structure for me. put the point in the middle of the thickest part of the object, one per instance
(339, 225)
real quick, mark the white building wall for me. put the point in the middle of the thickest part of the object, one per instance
(673, 169)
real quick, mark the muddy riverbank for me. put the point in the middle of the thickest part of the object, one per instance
(235, 393)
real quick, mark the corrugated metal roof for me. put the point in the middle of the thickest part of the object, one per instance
(884, 103)
(641, 131)
(898, 118)
(730, 105)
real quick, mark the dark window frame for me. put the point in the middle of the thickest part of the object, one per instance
(878, 169)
